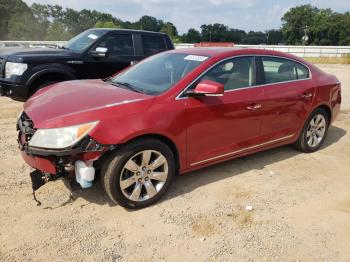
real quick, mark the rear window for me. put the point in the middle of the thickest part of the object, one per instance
(153, 44)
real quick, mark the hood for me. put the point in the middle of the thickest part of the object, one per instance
(81, 101)
(28, 52)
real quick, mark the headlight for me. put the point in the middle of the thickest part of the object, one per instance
(14, 69)
(59, 138)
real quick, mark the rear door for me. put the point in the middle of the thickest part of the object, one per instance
(153, 44)
(222, 127)
(289, 91)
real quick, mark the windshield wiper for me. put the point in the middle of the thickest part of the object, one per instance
(63, 47)
(128, 86)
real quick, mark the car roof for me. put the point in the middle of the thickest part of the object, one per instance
(222, 52)
(126, 31)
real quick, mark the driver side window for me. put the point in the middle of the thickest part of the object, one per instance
(118, 44)
(234, 73)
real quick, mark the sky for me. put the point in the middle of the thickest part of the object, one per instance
(242, 14)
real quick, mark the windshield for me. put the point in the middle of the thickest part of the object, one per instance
(158, 73)
(83, 40)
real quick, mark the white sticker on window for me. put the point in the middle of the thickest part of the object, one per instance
(92, 36)
(196, 58)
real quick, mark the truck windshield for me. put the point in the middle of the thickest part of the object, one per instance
(158, 73)
(83, 40)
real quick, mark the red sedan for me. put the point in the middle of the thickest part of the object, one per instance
(173, 113)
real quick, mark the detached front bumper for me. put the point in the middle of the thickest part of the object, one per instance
(14, 91)
(51, 164)
(45, 165)
(60, 162)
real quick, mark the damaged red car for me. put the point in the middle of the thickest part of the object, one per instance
(173, 113)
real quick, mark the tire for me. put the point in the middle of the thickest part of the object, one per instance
(118, 172)
(313, 133)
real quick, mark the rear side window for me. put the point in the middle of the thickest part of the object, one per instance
(153, 44)
(302, 71)
(118, 44)
(279, 70)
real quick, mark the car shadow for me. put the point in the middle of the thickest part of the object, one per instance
(188, 182)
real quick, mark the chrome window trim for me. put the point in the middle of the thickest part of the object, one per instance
(242, 150)
(179, 96)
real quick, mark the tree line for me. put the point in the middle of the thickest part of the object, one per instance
(304, 24)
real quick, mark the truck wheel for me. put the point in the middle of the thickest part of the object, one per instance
(314, 132)
(139, 173)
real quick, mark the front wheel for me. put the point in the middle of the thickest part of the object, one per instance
(139, 173)
(314, 132)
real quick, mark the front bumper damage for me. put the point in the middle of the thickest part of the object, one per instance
(71, 163)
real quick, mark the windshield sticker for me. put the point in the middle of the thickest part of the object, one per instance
(92, 36)
(196, 58)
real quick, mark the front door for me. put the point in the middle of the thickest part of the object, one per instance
(221, 127)
(120, 54)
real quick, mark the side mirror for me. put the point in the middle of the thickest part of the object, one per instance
(207, 88)
(99, 52)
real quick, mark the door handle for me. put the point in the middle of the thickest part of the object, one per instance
(254, 107)
(306, 95)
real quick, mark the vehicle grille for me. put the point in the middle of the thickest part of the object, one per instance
(2, 67)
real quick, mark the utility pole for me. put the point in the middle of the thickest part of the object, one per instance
(305, 38)
(267, 38)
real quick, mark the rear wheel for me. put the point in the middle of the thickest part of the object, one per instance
(139, 173)
(314, 132)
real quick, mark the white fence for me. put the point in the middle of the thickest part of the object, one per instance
(31, 44)
(301, 51)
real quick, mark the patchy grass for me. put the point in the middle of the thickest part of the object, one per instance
(241, 217)
(329, 60)
(203, 227)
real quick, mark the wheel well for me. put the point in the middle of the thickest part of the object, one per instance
(328, 111)
(166, 141)
(48, 77)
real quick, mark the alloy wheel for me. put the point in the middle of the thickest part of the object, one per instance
(316, 130)
(144, 175)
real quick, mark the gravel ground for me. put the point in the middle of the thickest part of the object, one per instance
(301, 208)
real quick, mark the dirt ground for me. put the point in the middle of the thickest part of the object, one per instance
(301, 208)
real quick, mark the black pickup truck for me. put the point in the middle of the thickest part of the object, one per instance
(95, 53)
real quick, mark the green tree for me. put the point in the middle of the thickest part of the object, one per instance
(108, 24)
(149, 23)
(254, 38)
(274, 37)
(58, 31)
(42, 16)
(11, 27)
(296, 20)
(215, 33)
(170, 29)
(192, 36)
